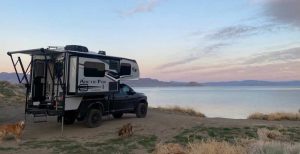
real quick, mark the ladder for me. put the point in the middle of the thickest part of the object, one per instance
(39, 115)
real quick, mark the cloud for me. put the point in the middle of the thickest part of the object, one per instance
(271, 59)
(207, 50)
(275, 57)
(280, 72)
(284, 11)
(224, 72)
(238, 31)
(146, 7)
(214, 47)
(233, 32)
(178, 62)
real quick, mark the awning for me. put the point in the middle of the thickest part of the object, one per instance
(40, 51)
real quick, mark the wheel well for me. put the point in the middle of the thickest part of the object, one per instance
(141, 101)
(96, 105)
(86, 106)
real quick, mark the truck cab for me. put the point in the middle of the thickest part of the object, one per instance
(127, 101)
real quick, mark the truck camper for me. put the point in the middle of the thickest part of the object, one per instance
(72, 83)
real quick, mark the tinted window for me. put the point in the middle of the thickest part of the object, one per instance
(114, 65)
(125, 69)
(39, 69)
(94, 69)
(125, 90)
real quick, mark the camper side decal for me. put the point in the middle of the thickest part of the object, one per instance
(84, 85)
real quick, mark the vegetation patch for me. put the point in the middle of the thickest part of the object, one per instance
(215, 147)
(8, 149)
(233, 134)
(223, 147)
(274, 147)
(177, 109)
(275, 116)
(116, 145)
(58, 146)
(11, 93)
(148, 142)
(125, 145)
(246, 140)
(200, 133)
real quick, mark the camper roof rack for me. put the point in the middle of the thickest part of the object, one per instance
(76, 48)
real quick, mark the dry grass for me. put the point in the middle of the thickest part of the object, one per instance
(204, 147)
(274, 147)
(177, 109)
(267, 135)
(268, 142)
(214, 147)
(170, 148)
(276, 116)
(11, 93)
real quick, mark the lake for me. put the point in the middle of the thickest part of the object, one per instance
(227, 102)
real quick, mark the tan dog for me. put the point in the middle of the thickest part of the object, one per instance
(126, 130)
(12, 129)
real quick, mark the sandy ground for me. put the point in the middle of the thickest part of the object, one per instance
(164, 125)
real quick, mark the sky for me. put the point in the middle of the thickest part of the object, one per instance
(172, 40)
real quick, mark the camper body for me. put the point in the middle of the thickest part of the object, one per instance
(66, 83)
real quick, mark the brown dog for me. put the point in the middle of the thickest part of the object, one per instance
(12, 129)
(126, 130)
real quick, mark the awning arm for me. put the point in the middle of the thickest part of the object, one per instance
(19, 61)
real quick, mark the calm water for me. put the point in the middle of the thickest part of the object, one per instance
(228, 102)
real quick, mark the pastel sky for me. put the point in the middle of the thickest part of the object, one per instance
(191, 40)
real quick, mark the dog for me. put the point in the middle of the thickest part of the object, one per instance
(12, 129)
(126, 130)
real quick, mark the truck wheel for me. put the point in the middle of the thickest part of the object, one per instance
(141, 110)
(117, 115)
(93, 118)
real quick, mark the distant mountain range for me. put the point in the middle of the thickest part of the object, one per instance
(253, 83)
(10, 77)
(148, 82)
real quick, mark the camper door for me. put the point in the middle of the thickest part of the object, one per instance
(91, 75)
(129, 70)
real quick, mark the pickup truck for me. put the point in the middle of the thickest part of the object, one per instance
(91, 109)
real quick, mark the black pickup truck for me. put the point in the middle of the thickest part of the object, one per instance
(91, 109)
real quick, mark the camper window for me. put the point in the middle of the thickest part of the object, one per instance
(114, 65)
(125, 69)
(94, 69)
(59, 69)
(39, 69)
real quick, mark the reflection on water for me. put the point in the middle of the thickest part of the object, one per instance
(228, 102)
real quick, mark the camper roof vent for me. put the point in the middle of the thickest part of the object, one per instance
(101, 52)
(76, 48)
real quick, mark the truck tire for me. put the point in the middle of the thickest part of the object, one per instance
(93, 118)
(141, 110)
(117, 115)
